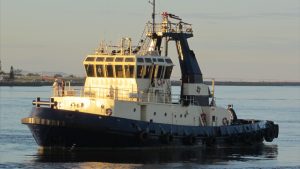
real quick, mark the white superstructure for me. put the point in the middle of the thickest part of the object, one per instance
(128, 85)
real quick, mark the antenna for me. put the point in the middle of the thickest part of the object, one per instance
(153, 15)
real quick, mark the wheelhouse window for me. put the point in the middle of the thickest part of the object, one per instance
(168, 72)
(90, 59)
(148, 71)
(129, 71)
(109, 71)
(129, 60)
(140, 60)
(160, 60)
(148, 60)
(100, 70)
(100, 59)
(169, 61)
(159, 71)
(139, 71)
(119, 71)
(89, 68)
(119, 59)
(109, 59)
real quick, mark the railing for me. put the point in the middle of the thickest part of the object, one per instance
(158, 96)
(180, 27)
(160, 29)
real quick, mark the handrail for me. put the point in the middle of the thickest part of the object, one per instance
(170, 28)
(128, 95)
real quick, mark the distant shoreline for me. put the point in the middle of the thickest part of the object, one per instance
(232, 83)
(174, 83)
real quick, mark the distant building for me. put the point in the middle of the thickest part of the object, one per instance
(1, 76)
(11, 73)
(0, 66)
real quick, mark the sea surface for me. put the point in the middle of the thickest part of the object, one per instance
(280, 104)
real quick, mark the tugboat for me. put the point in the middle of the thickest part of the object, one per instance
(127, 100)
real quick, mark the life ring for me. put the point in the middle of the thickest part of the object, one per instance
(209, 141)
(143, 135)
(258, 137)
(166, 138)
(108, 112)
(158, 82)
(248, 138)
(225, 121)
(190, 140)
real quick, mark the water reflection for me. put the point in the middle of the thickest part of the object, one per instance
(195, 155)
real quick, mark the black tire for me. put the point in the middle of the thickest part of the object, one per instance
(269, 134)
(143, 136)
(166, 138)
(189, 140)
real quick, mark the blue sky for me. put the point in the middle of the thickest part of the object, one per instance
(233, 39)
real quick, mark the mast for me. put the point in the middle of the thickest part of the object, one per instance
(153, 15)
(0, 66)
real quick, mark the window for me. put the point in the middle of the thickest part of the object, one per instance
(148, 71)
(100, 70)
(129, 60)
(159, 71)
(89, 70)
(119, 59)
(139, 71)
(129, 71)
(90, 59)
(110, 59)
(168, 72)
(119, 71)
(100, 59)
(213, 118)
(160, 60)
(109, 71)
(148, 60)
(169, 61)
(140, 59)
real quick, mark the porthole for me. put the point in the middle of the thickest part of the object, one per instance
(180, 115)
(175, 115)
(154, 113)
(134, 109)
(165, 114)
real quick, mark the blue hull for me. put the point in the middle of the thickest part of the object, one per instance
(54, 128)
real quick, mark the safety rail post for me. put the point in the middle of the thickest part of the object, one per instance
(52, 101)
(213, 88)
(38, 99)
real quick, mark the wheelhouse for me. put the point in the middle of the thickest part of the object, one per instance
(128, 66)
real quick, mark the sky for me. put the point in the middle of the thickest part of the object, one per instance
(240, 40)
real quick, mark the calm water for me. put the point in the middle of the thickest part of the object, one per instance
(280, 104)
